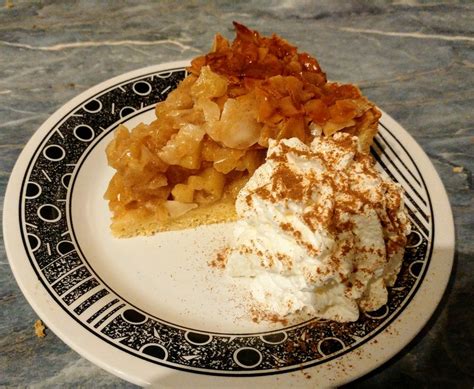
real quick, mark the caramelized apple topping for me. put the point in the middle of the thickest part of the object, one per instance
(212, 131)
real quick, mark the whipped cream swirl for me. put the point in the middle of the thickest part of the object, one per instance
(320, 230)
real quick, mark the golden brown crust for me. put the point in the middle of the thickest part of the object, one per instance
(132, 224)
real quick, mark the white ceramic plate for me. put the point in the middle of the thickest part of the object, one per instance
(151, 310)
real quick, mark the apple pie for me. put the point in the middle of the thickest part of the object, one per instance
(211, 133)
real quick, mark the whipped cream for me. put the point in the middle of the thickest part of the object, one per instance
(320, 231)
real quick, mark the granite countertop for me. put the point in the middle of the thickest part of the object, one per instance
(415, 59)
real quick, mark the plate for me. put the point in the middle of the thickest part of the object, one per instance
(151, 310)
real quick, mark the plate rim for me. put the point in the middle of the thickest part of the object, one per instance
(35, 297)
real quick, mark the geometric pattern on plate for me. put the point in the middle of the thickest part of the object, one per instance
(57, 259)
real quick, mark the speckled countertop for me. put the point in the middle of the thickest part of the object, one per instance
(415, 59)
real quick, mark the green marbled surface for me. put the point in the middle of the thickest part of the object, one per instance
(415, 59)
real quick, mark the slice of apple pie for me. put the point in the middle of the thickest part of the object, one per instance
(211, 133)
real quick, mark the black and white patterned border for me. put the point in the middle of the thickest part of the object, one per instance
(56, 256)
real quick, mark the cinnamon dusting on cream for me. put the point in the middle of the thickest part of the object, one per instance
(321, 230)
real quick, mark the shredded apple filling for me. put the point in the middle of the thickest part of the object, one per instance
(212, 131)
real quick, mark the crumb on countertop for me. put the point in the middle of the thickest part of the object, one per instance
(39, 329)
(458, 169)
